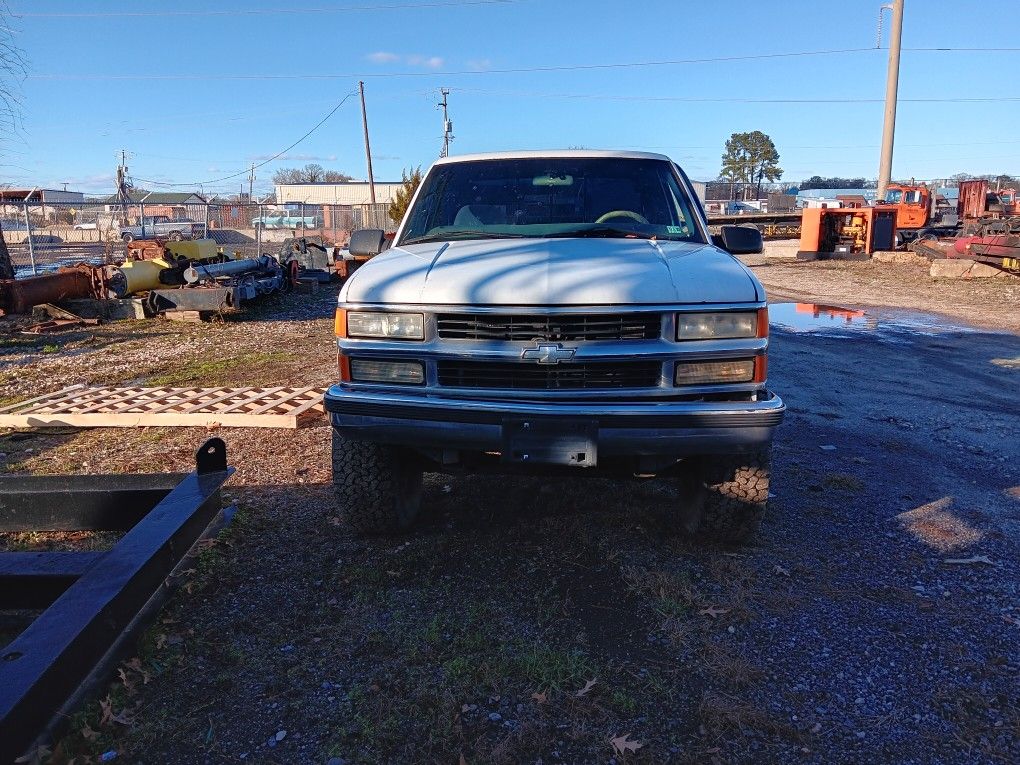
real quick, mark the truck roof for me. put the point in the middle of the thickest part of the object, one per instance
(557, 153)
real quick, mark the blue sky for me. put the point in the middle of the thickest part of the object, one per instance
(198, 125)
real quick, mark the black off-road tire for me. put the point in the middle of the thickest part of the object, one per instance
(736, 490)
(378, 487)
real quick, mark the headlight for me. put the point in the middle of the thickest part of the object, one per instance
(395, 326)
(395, 372)
(718, 325)
(710, 372)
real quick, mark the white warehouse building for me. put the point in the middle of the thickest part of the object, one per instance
(344, 193)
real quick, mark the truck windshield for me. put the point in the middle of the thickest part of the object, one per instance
(552, 197)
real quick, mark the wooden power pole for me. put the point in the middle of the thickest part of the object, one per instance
(368, 148)
(892, 81)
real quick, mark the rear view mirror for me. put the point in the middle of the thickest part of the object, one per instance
(739, 240)
(367, 242)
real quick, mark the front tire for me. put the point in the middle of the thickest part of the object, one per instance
(378, 488)
(736, 490)
(127, 238)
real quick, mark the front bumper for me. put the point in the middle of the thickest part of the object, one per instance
(665, 428)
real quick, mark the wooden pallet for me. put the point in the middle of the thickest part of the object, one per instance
(81, 406)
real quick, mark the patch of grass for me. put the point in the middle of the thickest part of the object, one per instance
(220, 371)
(843, 482)
(51, 349)
(727, 717)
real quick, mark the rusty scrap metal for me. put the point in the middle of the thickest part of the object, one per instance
(20, 295)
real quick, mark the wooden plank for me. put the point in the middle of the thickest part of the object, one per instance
(281, 402)
(198, 394)
(88, 396)
(276, 407)
(112, 400)
(252, 399)
(232, 393)
(312, 402)
(55, 394)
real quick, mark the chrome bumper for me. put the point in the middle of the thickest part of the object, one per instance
(665, 428)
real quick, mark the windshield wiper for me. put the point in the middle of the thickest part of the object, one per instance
(604, 232)
(454, 235)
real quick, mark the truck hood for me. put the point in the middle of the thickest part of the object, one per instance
(553, 272)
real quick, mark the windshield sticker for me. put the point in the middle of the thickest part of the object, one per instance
(675, 230)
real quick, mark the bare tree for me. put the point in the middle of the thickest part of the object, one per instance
(12, 72)
(310, 173)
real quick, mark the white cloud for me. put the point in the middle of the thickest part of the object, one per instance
(481, 64)
(382, 57)
(411, 59)
(429, 62)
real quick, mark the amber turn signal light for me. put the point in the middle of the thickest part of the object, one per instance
(340, 323)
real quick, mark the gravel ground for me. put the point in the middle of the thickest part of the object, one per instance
(842, 634)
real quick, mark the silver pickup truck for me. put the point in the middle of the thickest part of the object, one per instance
(161, 227)
(555, 311)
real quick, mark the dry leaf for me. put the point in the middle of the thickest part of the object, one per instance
(973, 559)
(124, 718)
(36, 756)
(777, 569)
(1011, 620)
(106, 706)
(713, 611)
(587, 687)
(461, 761)
(622, 745)
(160, 641)
(88, 734)
(128, 683)
(539, 697)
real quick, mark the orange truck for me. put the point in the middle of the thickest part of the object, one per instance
(921, 212)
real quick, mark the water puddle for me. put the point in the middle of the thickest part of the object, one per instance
(819, 318)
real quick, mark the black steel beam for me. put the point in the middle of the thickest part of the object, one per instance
(80, 502)
(44, 665)
(36, 579)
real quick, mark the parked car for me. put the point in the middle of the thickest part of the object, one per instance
(557, 312)
(86, 226)
(286, 221)
(162, 227)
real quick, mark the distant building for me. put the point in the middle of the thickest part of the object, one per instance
(345, 193)
(173, 204)
(42, 196)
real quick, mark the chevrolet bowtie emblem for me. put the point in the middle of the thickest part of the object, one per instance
(548, 354)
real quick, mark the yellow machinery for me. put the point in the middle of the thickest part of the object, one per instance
(849, 233)
(153, 265)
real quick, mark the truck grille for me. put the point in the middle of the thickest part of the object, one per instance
(515, 376)
(570, 327)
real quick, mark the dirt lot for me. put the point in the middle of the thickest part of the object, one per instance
(534, 620)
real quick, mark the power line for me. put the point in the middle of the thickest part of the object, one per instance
(319, 124)
(728, 100)
(512, 70)
(258, 11)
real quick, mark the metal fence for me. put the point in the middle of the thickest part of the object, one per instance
(44, 236)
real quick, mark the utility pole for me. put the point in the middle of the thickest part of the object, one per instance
(251, 181)
(368, 149)
(891, 85)
(447, 125)
(122, 187)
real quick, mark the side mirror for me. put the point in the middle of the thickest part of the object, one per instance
(739, 240)
(367, 242)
